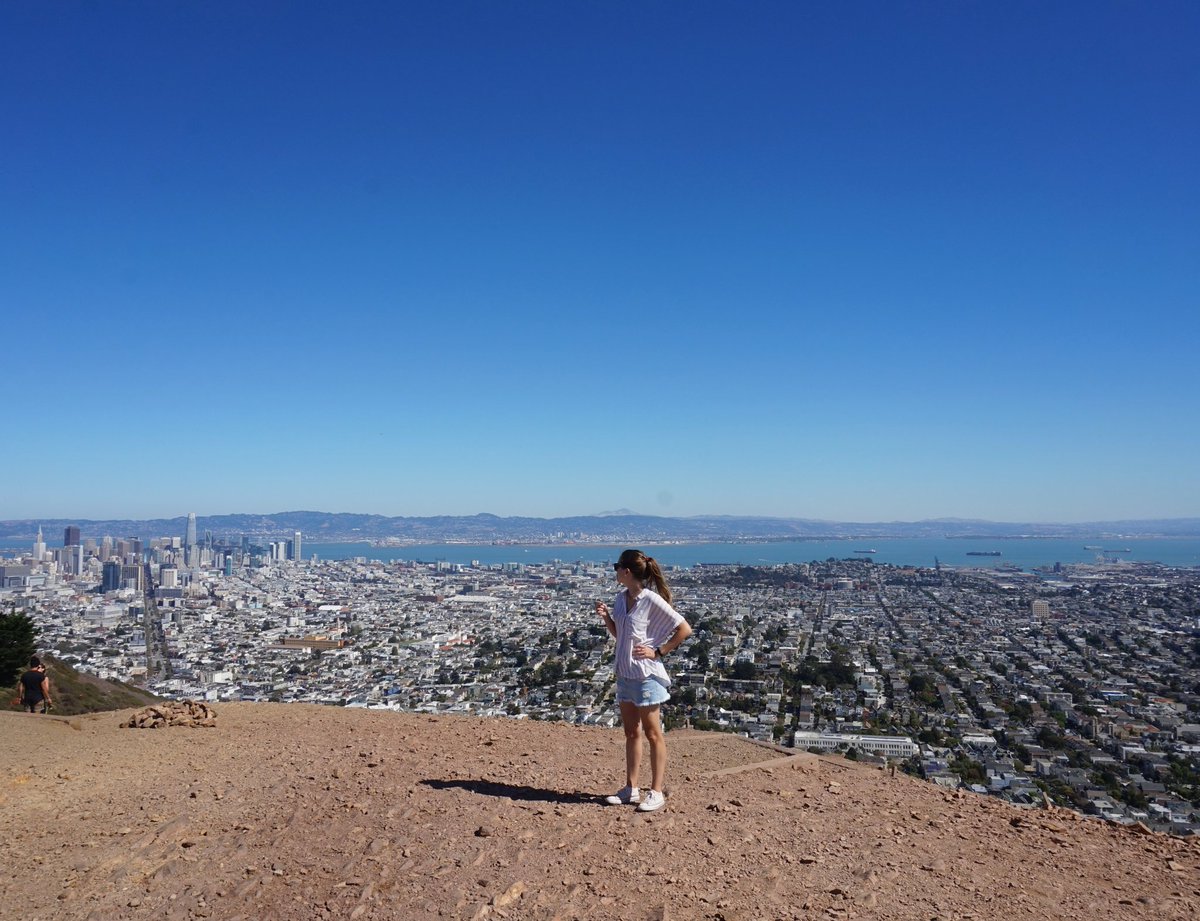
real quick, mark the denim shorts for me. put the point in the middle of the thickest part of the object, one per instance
(642, 692)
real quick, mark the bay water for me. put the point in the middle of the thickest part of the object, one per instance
(1023, 553)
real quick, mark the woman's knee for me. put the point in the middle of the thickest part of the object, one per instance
(653, 729)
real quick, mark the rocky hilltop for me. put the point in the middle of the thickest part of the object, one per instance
(300, 812)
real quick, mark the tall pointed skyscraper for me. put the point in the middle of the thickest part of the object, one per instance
(39, 547)
(189, 539)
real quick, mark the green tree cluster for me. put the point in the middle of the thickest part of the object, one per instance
(18, 641)
(745, 670)
(1049, 739)
(970, 771)
(834, 674)
(549, 672)
(924, 689)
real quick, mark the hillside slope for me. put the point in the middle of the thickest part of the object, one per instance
(296, 812)
(74, 692)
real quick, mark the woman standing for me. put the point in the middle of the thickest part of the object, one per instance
(35, 686)
(646, 629)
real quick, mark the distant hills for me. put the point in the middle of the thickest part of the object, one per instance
(622, 525)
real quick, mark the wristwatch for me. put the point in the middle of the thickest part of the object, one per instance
(658, 653)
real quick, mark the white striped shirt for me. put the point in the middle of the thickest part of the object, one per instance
(650, 623)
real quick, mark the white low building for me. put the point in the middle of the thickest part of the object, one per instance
(888, 746)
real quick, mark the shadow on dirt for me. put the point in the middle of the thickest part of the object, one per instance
(512, 791)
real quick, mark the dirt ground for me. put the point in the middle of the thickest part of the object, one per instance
(301, 812)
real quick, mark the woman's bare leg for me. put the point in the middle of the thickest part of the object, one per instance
(652, 727)
(632, 723)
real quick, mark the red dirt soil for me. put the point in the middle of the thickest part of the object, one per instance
(297, 813)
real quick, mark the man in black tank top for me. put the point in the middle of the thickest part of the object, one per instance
(35, 687)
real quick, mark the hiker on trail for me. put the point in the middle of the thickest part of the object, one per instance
(646, 629)
(35, 686)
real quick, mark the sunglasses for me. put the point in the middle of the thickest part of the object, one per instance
(617, 567)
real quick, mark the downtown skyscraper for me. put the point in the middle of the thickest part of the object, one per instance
(191, 551)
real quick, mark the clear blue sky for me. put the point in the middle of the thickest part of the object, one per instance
(864, 261)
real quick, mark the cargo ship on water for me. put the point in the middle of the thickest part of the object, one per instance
(984, 553)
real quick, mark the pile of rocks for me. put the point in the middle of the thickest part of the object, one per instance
(191, 713)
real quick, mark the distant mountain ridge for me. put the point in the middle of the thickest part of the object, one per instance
(622, 525)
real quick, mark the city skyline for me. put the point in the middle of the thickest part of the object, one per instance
(291, 528)
(868, 264)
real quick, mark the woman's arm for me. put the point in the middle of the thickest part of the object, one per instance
(677, 638)
(609, 623)
(46, 689)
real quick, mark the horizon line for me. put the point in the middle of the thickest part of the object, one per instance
(624, 513)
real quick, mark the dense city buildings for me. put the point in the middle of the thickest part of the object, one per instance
(1077, 684)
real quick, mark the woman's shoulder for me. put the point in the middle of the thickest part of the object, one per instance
(658, 600)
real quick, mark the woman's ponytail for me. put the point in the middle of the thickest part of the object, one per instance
(660, 583)
(645, 569)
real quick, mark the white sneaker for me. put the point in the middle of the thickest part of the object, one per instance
(652, 802)
(624, 797)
